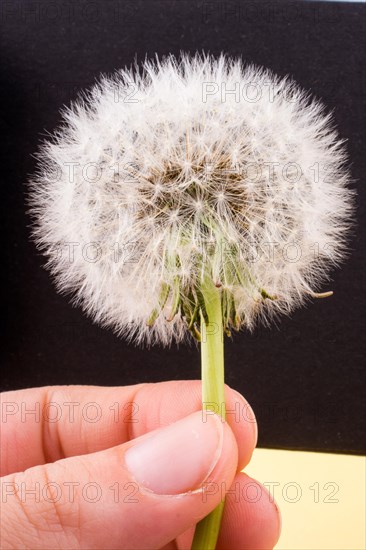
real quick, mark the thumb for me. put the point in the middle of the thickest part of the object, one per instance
(141, 494)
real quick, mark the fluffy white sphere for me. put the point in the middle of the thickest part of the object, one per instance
(185, 166)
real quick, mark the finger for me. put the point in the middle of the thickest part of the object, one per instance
(42, 425)
(141, 494)
(251, 519)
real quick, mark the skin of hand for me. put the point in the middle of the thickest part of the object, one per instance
(132, 467)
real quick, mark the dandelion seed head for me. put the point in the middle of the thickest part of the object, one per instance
(187, 178)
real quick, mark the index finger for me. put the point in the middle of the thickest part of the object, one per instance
(41, 425)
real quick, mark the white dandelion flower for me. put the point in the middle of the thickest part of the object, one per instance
(191, 168)
(196, 195)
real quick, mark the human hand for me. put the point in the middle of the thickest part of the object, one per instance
(105, 468)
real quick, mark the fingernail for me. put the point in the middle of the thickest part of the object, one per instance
(178, 458)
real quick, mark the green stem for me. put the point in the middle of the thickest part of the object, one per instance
(213, 395)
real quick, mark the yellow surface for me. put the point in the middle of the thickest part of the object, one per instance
(321, 497)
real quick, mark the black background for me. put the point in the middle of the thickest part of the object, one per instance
(304, 377)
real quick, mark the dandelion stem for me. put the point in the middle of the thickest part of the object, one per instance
(213, 394)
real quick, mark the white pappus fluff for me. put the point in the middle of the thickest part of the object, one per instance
(183, 168)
